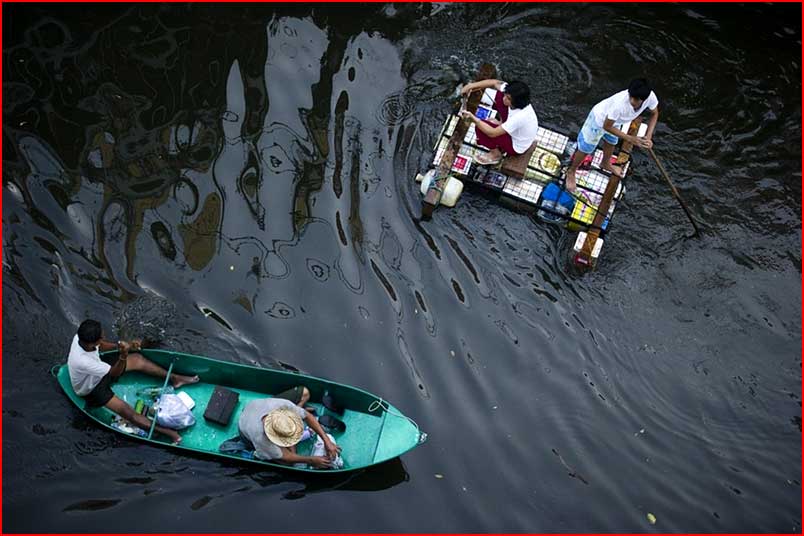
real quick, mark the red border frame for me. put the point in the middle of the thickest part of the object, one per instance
(374, 1)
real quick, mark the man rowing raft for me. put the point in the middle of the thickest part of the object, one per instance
(606, 121)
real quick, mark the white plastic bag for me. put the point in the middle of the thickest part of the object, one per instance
(320, 450)
(172, 413)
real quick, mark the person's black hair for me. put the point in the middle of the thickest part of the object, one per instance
(519, 93)
(89, 331)
(639, 88)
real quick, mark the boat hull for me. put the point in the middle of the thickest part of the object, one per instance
(375, 430)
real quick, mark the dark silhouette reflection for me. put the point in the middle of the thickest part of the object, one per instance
(379, 477)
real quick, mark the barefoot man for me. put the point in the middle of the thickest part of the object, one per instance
(606, 120)
(92, 375)
(519, 126)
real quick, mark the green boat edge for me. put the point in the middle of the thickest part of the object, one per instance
(239, 376)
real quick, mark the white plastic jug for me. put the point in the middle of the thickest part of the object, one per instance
(452, 191)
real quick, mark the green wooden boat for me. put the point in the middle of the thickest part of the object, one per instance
(375, 430)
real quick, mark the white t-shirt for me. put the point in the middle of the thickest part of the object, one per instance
(522, 125)
(86, 368)
(618, 108)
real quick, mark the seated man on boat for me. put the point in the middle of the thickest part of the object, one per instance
(605, 121)
(275, 425)
(92, 376)
(519, 126)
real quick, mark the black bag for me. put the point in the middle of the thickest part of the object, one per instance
(221, 405)
(331, 404)
(332, 424)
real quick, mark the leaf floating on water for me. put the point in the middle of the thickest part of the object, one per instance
(439, 475)
(651, 518)
(92, 505)
(200, 503)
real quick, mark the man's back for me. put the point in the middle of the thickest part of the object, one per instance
(251, 427)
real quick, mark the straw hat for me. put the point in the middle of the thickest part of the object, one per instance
(283, 427)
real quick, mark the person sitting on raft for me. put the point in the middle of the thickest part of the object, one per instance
(92, 375)
(606, 120)
(273, 426)
(519, 126)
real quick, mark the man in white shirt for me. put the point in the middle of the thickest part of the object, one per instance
(519, 127)
(92, 375)
(606, 120)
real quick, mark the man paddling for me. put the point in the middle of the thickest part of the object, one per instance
(92, 375)
(606, 120)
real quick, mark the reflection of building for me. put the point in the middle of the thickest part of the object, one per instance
(141, 168)
(225, 154)
(144, 163)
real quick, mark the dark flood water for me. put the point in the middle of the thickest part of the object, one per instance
(238, 181)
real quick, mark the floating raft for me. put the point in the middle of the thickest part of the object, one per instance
(534, 181)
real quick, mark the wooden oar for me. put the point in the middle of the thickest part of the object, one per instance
(675, 192)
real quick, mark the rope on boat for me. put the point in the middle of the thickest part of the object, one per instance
(380, 403)
(54, 370)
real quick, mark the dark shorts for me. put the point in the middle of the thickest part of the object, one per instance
(102, 393)
(293, 394)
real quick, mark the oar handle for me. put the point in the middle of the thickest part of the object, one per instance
(674, 190)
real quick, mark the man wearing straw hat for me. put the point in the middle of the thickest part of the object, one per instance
(275, 425)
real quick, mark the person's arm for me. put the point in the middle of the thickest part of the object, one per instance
(319, 462)
(481, 84)
(654, 118)
(105, 346)
(331, 448)
(134, 344)
(608, 126)
(485, 128)
(120, 366)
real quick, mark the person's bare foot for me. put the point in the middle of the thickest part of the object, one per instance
(177, 380)
(570, 182)
(614, 169)
(492, 157)
(174, 436)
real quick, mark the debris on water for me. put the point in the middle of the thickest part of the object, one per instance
(572, 472)
(452, 353)
(651, 518)
(231, 268)
(148, 317)
(494, 407)
(439, 475)
(641, 431)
